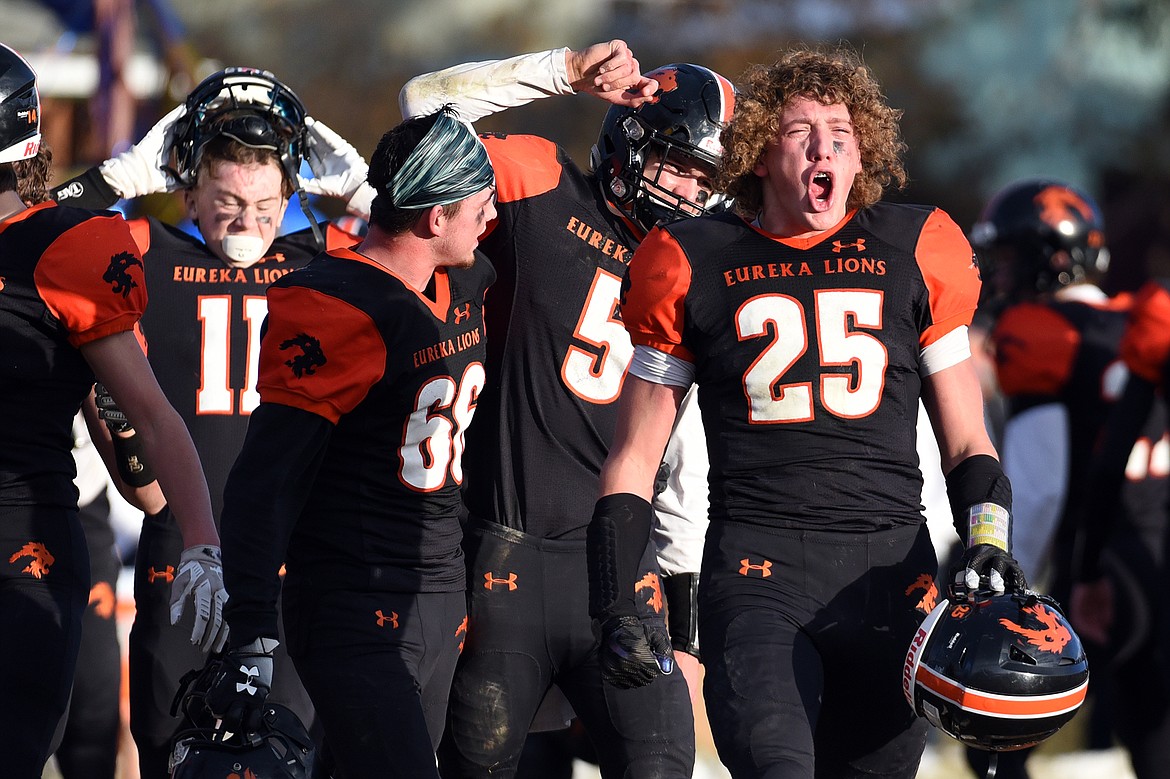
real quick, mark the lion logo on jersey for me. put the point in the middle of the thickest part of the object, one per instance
(311, 357)
(117, 275)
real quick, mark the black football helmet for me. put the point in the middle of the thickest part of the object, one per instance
(1038, 235)
(1001, 673)
(253, 107)
(685, 118)
(280, 749)
(20, 108)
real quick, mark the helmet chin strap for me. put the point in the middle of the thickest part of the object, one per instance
(992, 765)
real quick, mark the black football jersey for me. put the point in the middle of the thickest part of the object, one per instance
(399, 373)
(202, 331)
(557, 352)
(67, 277)
(807, 353)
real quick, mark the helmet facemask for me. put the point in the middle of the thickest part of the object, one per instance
(680, 126)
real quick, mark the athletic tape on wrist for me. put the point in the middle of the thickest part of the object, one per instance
(988, 523)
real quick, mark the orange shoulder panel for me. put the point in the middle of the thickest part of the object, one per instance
(140, 229)
(652, 306)
(1035, 347)
(91, 278)
(948, 268)
(319, 354)
(525, 165)
(1146, 345)
(336, 238)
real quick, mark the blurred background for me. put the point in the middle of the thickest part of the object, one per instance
(991, 89)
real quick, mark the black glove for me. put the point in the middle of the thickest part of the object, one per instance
(240, 686)
(108, 410)
(986, 567)
(632, 653)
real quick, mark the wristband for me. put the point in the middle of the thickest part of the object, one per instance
(681, 591)
(130, 456)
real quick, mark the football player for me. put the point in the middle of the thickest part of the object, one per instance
(1066, 365)
(233, 150)
(556, 363)
(370, 369)
(73, 291)
(813, 320)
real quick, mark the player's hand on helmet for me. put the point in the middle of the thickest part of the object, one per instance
(986, 567)
(108, 410)
(200, 578)
(609, 71)
(142, 169)
(339, 170)
(633, 652)
(239, 687)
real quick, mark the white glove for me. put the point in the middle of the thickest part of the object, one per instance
(339, 170)
(201, 576)
(139, 170)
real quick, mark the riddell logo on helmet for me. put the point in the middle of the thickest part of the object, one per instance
(1052, 638)
(911, 663)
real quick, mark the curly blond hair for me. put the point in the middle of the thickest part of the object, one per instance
(827, 75)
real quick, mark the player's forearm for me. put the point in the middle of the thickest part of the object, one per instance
(479, 89)
(86, 190)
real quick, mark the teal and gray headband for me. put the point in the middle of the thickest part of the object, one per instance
(449, 164)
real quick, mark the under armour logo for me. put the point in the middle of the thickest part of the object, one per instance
(166, 574)
(765, 568)
(490, 581)
(246, 686)
(392, 618)
(859, 245)
(463, 313)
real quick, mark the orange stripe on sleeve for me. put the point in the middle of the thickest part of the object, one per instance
(1146, 345)
(952, 278)
(91, 278)
(319, 354)
(1034, 350)
(652, 304)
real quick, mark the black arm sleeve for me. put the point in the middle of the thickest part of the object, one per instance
(1094, 519)
(614, 543)
(262, 500)
(87, 190)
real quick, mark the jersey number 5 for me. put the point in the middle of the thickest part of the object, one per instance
(838, 315)
(596, 374)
